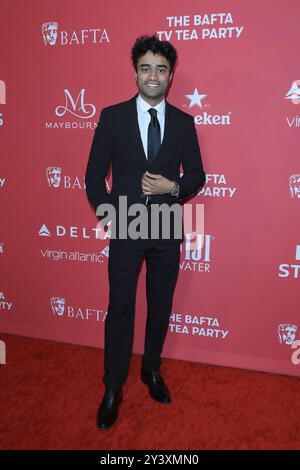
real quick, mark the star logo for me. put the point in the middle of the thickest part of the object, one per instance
(195, 98)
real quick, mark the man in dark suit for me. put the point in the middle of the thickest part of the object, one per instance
(145, 139)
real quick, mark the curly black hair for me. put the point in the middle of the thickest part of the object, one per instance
(143, 44)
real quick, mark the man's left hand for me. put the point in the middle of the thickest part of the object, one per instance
(156, 184)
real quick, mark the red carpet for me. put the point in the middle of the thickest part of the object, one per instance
(50, 393)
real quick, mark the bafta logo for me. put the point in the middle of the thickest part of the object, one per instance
(58, 306)
(295, 186)
(287, 333)
(53, 174)
(49, 32)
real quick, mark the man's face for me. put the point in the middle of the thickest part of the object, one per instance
(153, 76)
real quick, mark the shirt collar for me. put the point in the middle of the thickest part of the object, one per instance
(144, 106)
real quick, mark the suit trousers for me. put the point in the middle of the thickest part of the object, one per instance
(162, 266)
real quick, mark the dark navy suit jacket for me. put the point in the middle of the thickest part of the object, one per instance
(117, 142)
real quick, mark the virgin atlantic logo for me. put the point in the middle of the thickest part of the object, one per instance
(294, 92)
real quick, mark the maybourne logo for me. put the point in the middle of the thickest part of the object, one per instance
(78, 108)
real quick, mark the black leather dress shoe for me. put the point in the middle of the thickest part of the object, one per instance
(157, 388)
(108, 410)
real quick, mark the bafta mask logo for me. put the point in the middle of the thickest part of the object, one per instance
(294, 92)
(2, 92)
(295, 186)
(78, 108)
(58, 306)
(49, 32)
(53, 174)
(287, 333)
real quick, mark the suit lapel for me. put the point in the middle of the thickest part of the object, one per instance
(133, 131)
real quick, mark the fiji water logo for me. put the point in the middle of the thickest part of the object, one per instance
(196, 252)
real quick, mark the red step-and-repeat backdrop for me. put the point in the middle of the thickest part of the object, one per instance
(237, 297)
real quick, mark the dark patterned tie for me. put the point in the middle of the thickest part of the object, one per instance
(153, 142)
(153, 135)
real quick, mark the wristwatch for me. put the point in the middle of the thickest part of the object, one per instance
(175, 190)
